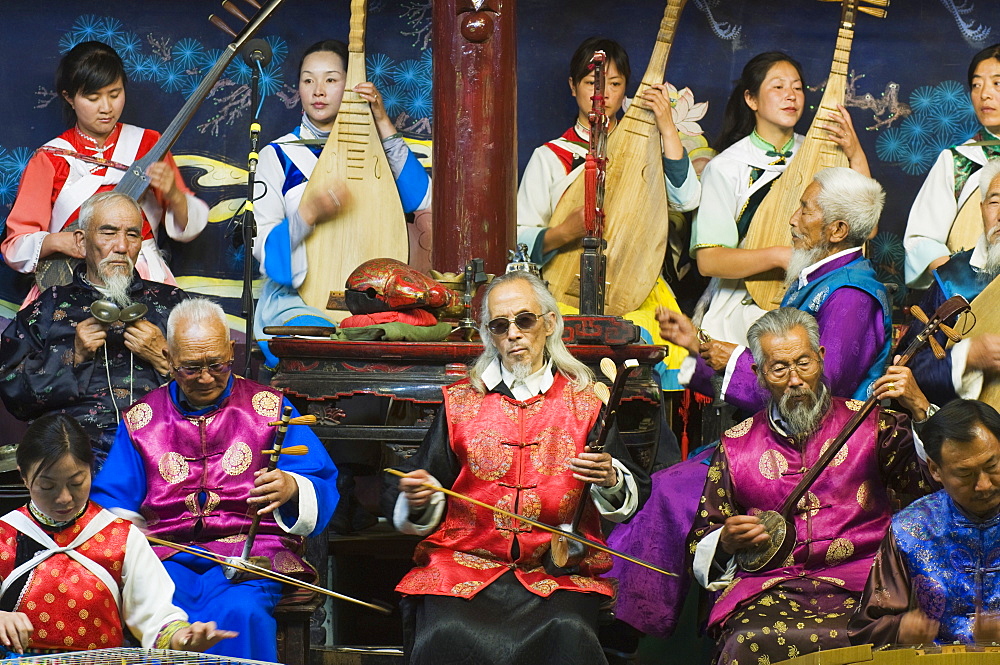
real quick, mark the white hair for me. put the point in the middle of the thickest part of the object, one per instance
(101, 201)
(780, 322)
(555, 349)
(855, 199)
(987, 175)
(194, 312)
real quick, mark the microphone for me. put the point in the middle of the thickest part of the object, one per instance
(256, 50)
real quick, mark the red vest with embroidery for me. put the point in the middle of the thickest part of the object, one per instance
(69, 607)
(513, 455)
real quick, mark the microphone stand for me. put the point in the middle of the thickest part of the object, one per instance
(256, 54)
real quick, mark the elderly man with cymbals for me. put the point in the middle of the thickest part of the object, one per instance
(91, 347)
(188, 465)
(513, 435)
(802, 602)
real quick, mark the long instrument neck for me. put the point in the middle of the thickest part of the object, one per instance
(661, 53)
(354, 119)
(836, 82)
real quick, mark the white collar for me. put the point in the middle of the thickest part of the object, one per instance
(804, 275)
(534, 384)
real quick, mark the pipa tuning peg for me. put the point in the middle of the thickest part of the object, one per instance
(877, 3)
(234, 10)
(936, 348)
(603, 392)
(918, 313)
(609, 369)
(952, 334)
(871, 11)
(254, 4)
(221, 25)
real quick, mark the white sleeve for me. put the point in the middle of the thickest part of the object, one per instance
(147, 591)
(706, 571)
(269, 208)
(714, 222)
(734, 359)
(931, 217)
(968, 382)
(428, 520)
(197, 220)
(534, 196)
(625, 491)
(308, 508)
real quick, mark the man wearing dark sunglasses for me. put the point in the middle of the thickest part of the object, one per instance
(513, 435)
(187, 460)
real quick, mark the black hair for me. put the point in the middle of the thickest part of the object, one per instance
(48, 440)
(578, 64)
(739, 120)
(985, 54)
(956, 422)
(331, 45)
(85, 69)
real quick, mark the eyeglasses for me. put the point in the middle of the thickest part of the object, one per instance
(524, 321)
(215, 369)
(804, 367)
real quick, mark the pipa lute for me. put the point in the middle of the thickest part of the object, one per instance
(987, 318)
(371, 224)
(769, 227)
(968, 224)
(635, 203)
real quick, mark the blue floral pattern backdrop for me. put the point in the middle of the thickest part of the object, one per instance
(907, 90)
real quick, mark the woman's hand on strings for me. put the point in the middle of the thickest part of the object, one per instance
(658, 98)
(412, 487)
(840, 127)
(273, 488)
(383, 123)
(199, 637)
(15, 630)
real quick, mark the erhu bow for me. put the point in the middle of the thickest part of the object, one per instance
(779, 524)
(592, 261)
(567, 553)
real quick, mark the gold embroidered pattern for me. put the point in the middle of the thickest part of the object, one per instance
(173, 467)
(554, 451)
(472, 561)
(266, 404)
(530, 507)
(839, 458)
(463, 402)
(286, 562)
(586, 582)
(212, 502)
(581, 404)
(809, 505)
(545, 587)
(854, 404)
(864, 496)
(840, 550)
(489, 459)
(238, 538)
(567, 505)
(466, 588)
(139, 416)
(511, 409)
(237, 459)
(739, 429)
(772, 464)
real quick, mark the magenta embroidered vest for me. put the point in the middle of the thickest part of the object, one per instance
(513, 455)
(841, 520)
(213, 456)
(69, 607)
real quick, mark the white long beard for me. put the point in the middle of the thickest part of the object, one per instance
(991, 267)
(117, 286)
(803, 419)
(802, 259)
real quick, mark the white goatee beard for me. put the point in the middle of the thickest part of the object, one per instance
(117, 286)
(520, 370)
(803, 419)
(802, 259)
(991, 268)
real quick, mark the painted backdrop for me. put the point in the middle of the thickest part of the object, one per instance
(907, 92)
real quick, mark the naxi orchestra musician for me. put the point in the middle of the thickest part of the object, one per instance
(92, 347)
(803, 603)
(90, 157)
(936, 577)
(189, 458)
(284, 169)
(514, 435)
(75, 576)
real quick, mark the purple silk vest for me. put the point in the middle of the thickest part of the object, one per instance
(213, 456)
(841, 520)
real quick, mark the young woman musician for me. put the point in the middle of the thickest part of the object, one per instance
(89, 157)
(284, 170)
(75, 577)
(758, 139)
(556, 164)
(949, 185)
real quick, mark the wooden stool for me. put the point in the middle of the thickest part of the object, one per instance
(293, 613)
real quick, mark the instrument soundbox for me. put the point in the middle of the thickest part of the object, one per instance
(636, 211)
(778, 524)
(58, 269)
(371, 224)
(987, 317)
(769, 227)
(968, 224)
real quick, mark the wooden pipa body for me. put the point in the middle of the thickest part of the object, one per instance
(769, 227)
(987, 318)
(371, 224)
(968, 225)
(635, 203)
